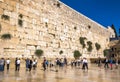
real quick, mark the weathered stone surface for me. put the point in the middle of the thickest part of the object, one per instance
(31, 47)
(1, 11)
(46, 26)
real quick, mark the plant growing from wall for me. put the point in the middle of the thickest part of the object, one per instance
(89, 26)
(58, 44)
(5, 17)
(106, 52)
(89, 43)
(82, 41)
(52, 34)
(6, 36)
(97, 47)
(77, 54)
(20, 22)
(46, 24)
(75, 27)
(58, 4)
(21, 16)
(39, 53)
(0, 27)
(61, 52)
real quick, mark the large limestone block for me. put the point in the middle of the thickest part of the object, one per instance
(20, 29)
(6, 12)
(13, 3)
(47, 39)
(64, 45)
(24, 7)
(36, 38)
(37, 32)
(23, 12)
(14, 40)
(1, 0)
(25, 25)
(24, 41)
(55, 45)
(10, 8)
(31, 47)
(14, 15)
(32, 15)
(32, 42)
(5, 26)
(13, 21)
(1, 11)
(16, 34)
(27, 19)
(44, 29)
(34, 27)
(20, 47)
(41, 43)
(40, 38)
(7, 1)
(3, 6)
(32, 52)
(30, 37)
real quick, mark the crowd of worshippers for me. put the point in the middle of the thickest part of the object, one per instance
(62, 62)
(3, 62)
(32, 63)
(58, 62)
(29, 64)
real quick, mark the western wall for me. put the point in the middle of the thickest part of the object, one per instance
(49, 25)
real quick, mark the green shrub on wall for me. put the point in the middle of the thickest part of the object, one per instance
(89, 43)
(58, 4)
(61, 52)
(89, 26)
(75, 27)
(6, 36)
(82, 41)
(39, 53)
(106, 52)
(20, 22)
(0, 27)
(77, 54)
(5, 17)
(97, 46)
(21, 16)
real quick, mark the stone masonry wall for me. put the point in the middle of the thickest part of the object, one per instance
(48, 25)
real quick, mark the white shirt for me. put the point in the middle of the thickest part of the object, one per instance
(8, 61)
(34, 62)
(85, 61)
(18, 61)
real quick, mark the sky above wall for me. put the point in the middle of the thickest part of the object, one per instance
(104, 12)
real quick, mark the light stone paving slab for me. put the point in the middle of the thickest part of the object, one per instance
(94, 74)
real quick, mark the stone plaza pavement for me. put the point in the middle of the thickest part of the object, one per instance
(94, 74)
